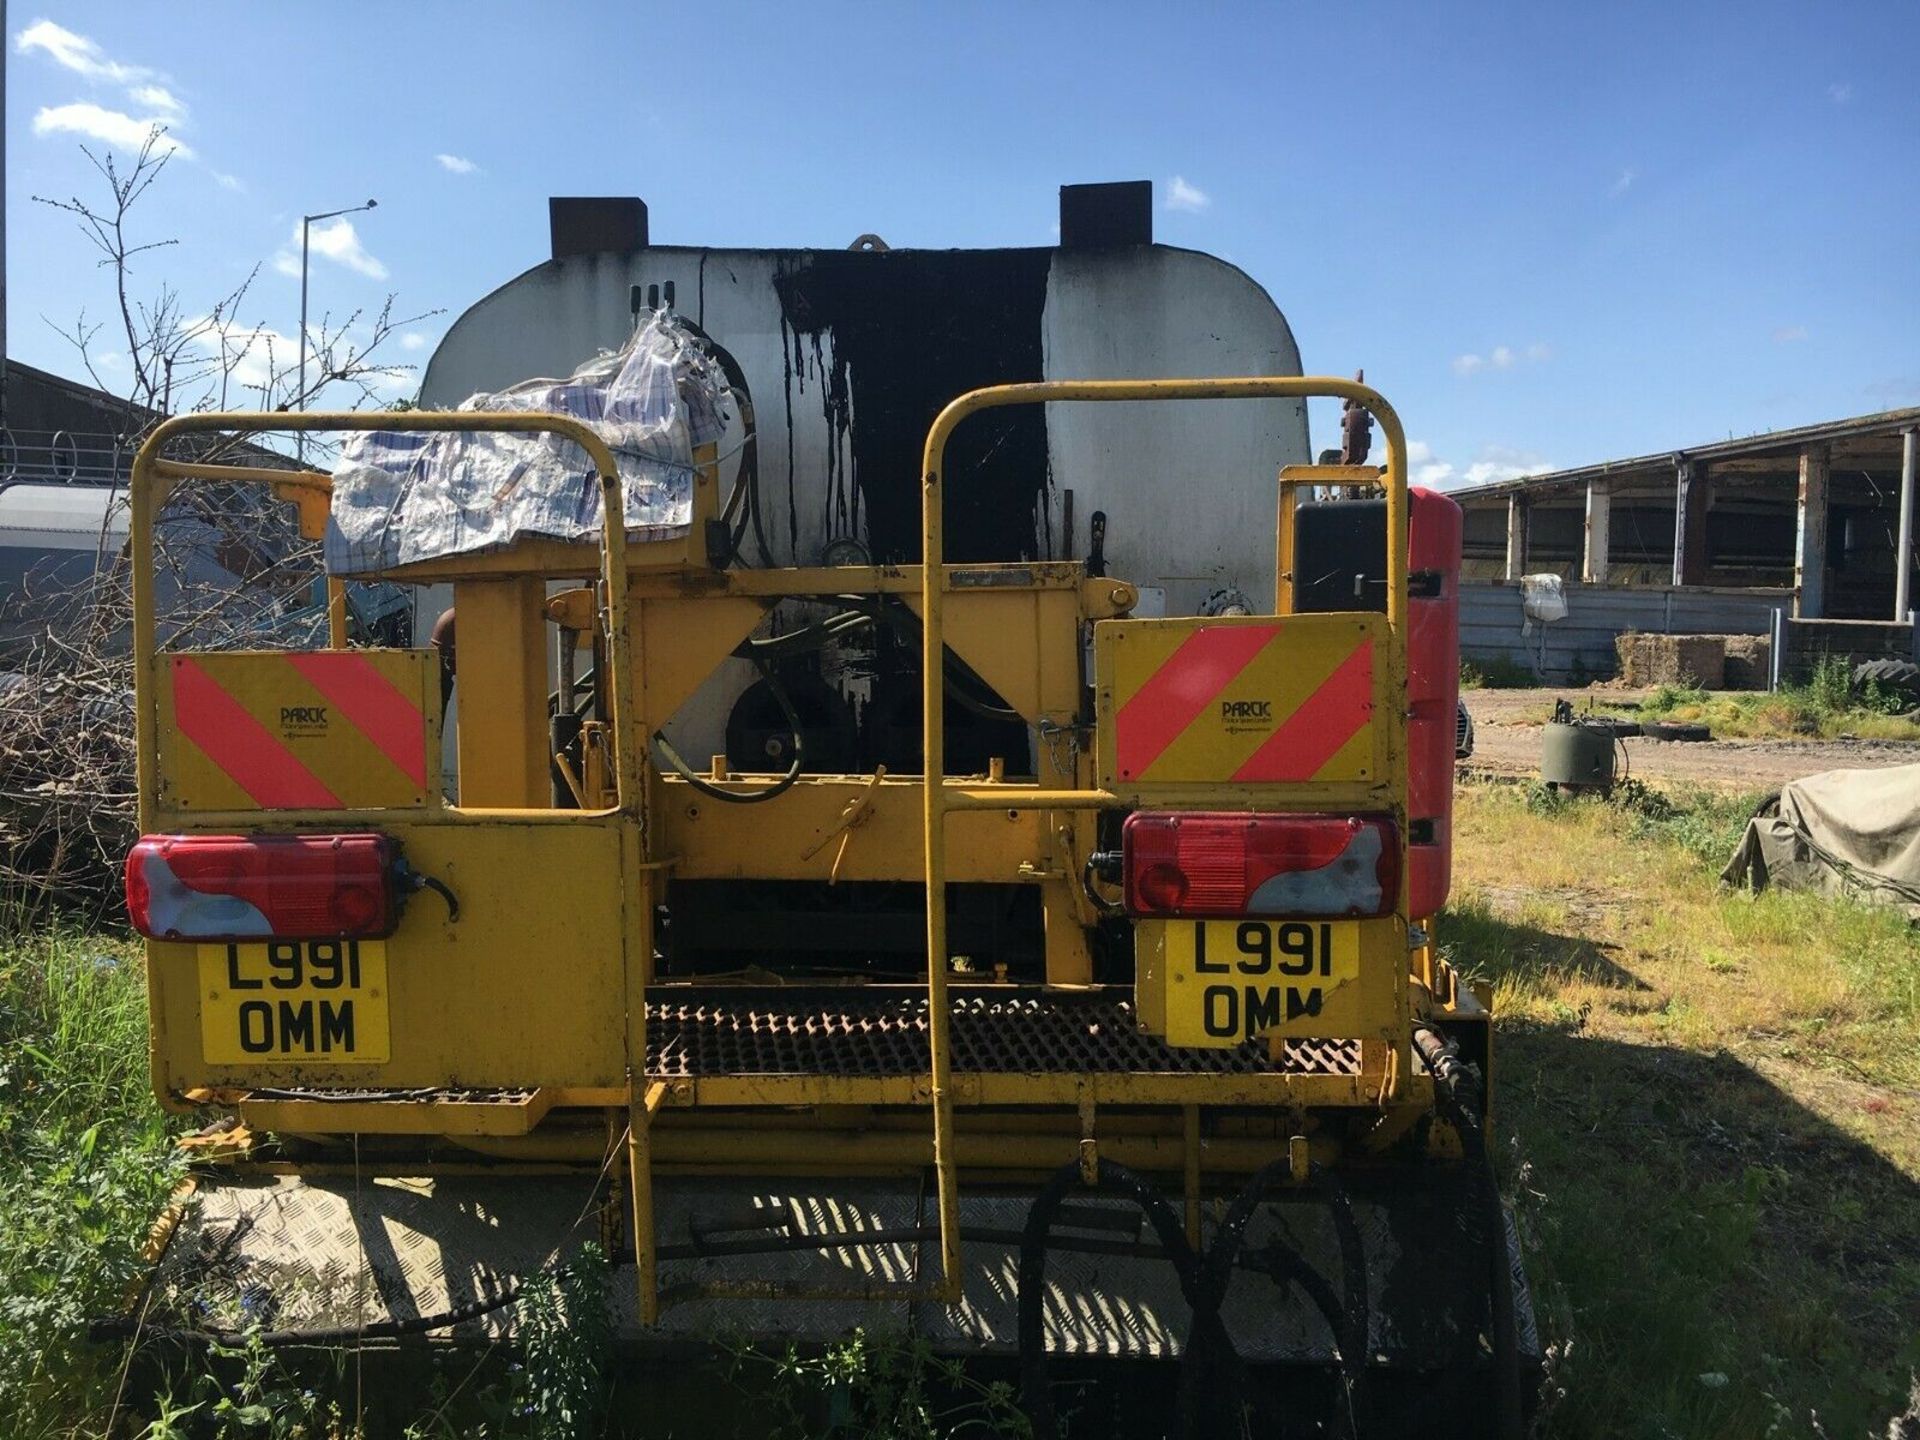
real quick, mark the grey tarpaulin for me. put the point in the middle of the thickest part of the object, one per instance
(1844, 832)
(399, 498)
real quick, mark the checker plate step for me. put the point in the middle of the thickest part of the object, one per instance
(731, 1030)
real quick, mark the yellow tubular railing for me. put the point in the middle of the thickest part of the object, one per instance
(933, 648)
(150, 466)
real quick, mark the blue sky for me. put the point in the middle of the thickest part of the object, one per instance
(1552, 234)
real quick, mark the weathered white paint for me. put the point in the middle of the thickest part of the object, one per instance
(1810, 535)
(1188, 488)
(1516, 537)
(1594, 562)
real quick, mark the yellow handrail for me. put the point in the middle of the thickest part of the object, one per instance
(933, 729)
(150, 464)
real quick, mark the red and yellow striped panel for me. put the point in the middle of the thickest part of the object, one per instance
(296, 730)
(1259, 700)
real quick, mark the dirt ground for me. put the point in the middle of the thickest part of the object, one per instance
(1507, 742)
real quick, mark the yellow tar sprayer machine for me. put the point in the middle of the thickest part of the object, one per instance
(1087, 1014)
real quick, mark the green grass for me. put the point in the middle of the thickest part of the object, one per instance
(1710, 1108)
(84, 1169)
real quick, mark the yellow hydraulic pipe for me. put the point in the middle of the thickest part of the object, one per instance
(932, 661)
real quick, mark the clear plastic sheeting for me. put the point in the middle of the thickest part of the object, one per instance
(401, 498)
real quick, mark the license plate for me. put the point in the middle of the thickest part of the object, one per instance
(308, 1002)
(1230, 980)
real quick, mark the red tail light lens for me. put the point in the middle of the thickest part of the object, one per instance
(263, 887)
(1310, 866)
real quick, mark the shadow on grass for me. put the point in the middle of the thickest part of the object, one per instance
(1724, 1259)
(1489, 947)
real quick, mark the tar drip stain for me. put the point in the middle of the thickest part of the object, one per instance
(897, 335)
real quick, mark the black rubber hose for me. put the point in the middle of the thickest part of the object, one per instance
(1036, 1398)
(907, 625)
(123, 1327)
(748, 483)
(1210, 1347)
(744, 797)
(1461, 1098)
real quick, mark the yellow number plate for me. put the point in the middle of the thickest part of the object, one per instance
(1230, 980)
(305, 1002)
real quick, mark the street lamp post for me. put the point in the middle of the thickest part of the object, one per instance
(306, 227)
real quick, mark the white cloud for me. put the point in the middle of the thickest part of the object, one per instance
(157, 97)
(457, 164)
(1424, 467)
(76, 53)
(334, 240)
(111, 127)
(1183, 196)
(1840, 93)
(1495, 462)
(228, 182)
(1622, 183)
(1787, 334)
(413, 340)
(1501, 357)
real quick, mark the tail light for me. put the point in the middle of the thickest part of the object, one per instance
(1311, 866)
(263, 887)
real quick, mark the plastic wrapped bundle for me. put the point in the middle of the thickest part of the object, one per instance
(402, 498)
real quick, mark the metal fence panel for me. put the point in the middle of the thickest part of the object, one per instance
(1581, 646)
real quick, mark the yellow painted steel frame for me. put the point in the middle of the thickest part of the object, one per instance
(680, 622)
(146, 489)
(939, 802)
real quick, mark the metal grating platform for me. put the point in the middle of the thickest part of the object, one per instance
(846, 1032)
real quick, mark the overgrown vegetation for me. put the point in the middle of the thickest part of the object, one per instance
(1708, 1108)
(1710, 1105)
(1826, 707)
(87, 1164)
(84, 1170)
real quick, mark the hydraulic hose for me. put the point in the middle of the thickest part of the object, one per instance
(1036, 1397)
(1461, 1098)
(1349, 1321)
(1209, 1361)
(744, 797)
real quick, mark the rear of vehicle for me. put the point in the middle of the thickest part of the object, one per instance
(1170, 1071)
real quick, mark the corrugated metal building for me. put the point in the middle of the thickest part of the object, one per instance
(1815, 523)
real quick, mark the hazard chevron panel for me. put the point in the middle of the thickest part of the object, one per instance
(1255, 700)
(297, 730)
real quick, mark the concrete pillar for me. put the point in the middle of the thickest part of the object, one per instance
(1593, 563)
(1689, 522)
(1516, 537)
(1903, 552)
(1810, 535)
